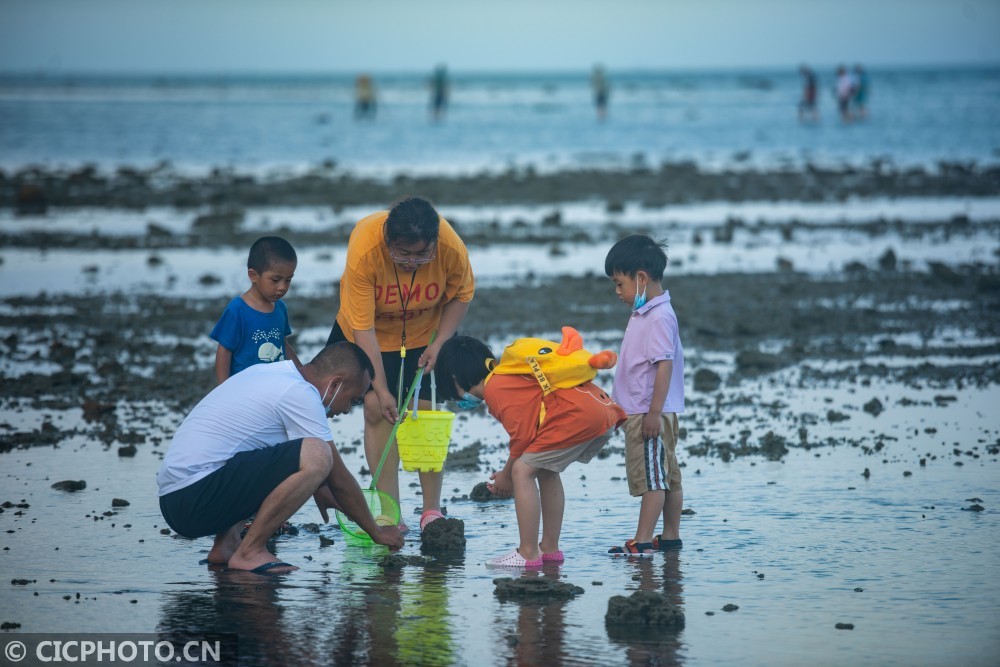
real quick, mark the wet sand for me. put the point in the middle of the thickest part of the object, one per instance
(103, 349)
(35, 188)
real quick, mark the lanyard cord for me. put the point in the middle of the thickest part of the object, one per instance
(402, 344)
(406, 302)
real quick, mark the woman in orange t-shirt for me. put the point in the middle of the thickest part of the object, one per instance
(407, 276)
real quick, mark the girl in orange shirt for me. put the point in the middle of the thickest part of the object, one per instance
(576, 423)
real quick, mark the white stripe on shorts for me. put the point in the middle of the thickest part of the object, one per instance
(656, 476)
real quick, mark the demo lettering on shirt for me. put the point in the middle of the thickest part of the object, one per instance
(392, 294)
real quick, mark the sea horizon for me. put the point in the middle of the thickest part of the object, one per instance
(495, 121)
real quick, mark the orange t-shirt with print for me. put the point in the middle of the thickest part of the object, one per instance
(572, 416)
(372, 294)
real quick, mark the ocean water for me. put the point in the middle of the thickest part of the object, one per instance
(838, 233)
(269, 123)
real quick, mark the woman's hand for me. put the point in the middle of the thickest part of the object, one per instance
(429, 357)
(387, 405)
(502, 486)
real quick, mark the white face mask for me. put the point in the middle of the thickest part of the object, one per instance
(329, 405)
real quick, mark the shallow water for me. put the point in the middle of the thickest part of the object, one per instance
(722, 118)
(811, 524)
(836, 234)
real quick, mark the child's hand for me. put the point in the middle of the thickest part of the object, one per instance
(652, 426)
(502, 487)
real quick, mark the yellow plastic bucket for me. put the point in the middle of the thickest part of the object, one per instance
(423, 442)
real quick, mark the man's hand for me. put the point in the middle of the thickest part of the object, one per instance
(652, 426)
(389, 536)
(325, 500)
(502, 486)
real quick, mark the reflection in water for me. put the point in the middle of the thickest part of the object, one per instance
(243, 604)
(367, 601)
(650, 645)
(425, 636)
(361, 614)
(537, 635)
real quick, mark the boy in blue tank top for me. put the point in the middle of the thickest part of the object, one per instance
(254, 327)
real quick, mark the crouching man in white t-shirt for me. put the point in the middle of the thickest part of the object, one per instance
(260, 444)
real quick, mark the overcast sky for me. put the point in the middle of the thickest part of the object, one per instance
(414, 35)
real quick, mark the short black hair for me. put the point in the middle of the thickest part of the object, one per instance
(637, 253)
(462, 359)
(412, 219)
(268, 251)
(344, 357)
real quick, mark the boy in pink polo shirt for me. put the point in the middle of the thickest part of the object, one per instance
(649, 386)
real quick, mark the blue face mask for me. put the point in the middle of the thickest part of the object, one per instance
(469, 402)
(640, 299)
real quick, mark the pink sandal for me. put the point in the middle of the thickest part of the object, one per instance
(429, 516)
(554, 557)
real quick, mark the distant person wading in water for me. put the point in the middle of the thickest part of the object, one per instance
(601, 89)
(407, 276)
(364, 98)
(861, 86)
(439, 92)
(844, 91)
(807, 105)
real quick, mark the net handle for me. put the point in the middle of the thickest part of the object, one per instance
(395, 427)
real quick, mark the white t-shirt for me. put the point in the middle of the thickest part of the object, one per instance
(845, 85)
(260, 407)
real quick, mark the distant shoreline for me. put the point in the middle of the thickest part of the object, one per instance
(35, 189)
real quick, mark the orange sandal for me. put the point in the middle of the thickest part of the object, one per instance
(633, 548)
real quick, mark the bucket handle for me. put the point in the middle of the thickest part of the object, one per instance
(434, 391)
(416, 396)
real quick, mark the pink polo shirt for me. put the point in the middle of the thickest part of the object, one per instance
(652, 335)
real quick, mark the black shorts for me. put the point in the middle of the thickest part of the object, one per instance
(231, 494)
(390, 362)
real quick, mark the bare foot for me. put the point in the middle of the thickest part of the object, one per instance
(225, 546)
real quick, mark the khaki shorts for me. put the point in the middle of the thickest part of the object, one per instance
(557, 460)
(651, 465)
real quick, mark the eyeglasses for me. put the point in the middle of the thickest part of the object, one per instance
(415, 258)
